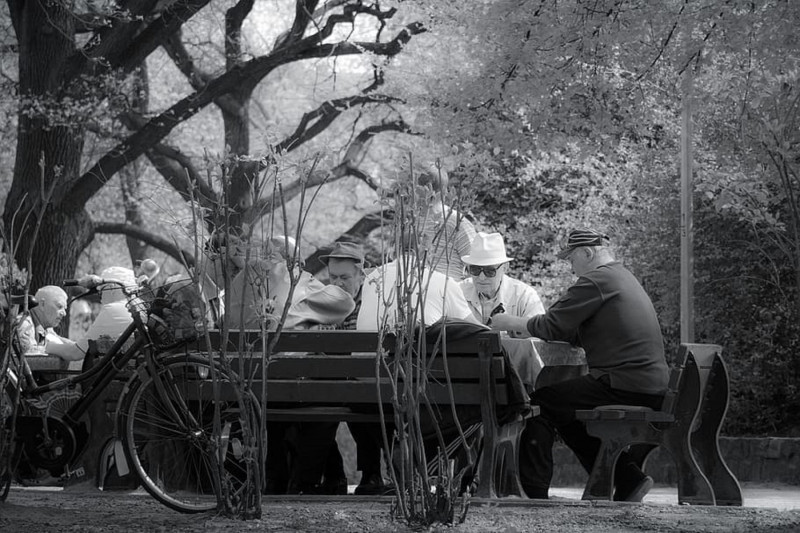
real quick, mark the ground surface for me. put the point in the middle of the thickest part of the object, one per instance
(34, 511)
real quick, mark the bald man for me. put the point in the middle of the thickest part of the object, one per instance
(35, 332)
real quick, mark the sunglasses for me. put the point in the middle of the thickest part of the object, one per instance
(488, 271)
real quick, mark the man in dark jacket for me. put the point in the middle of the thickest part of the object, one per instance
(608, 314)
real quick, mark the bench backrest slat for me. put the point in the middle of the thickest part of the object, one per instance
(299, 373)
(461, 367)
(322, 392)
(342, 341)
(336, 393)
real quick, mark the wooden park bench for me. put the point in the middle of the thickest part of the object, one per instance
(687, 426)
(309, 385)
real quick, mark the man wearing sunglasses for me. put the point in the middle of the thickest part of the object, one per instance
(489, 291)
(608, 313)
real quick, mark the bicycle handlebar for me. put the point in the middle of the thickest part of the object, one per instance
(150, 270)
(90, 282)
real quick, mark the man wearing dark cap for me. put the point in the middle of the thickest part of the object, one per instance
(608, 313)
(345, 264)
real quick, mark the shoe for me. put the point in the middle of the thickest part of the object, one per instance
(635, 494)
(535, 493)
(373, 485)
(41, 479)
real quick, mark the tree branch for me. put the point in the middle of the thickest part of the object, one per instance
(125, 44)
(345, 168)
(197, 78)
(234, 18)
(316, 121)
(151, 239)
(304, 11)
(89, 22)
(664, 43)
(158, 127)
(175, 167)
(283, 39)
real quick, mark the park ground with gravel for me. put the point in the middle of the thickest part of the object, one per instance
(78, 510)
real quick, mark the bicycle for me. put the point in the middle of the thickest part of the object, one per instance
(165, 416)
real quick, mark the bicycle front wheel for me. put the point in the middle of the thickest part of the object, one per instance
(169, 436)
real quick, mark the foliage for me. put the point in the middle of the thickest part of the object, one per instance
(568, 113)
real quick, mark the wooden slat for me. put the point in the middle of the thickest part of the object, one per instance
(357, 366)
(324, 392)
(340, 341)
(363, 392)
(322, 414)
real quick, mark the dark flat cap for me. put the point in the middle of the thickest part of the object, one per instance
(345, 250)
(582, 237)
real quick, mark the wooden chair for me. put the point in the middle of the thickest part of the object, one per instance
(687, 426)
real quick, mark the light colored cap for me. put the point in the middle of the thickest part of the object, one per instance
(487, 249)
(118, 273)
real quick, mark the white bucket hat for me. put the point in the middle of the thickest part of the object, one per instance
(116, 273)
(487, 249)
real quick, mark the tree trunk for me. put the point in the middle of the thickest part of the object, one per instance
(62, 237)
(129, 175)
(49, 146)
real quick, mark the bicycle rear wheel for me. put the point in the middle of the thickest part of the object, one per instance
(169, 439)
(9, 450)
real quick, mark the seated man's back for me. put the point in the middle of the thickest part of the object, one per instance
(442, 296)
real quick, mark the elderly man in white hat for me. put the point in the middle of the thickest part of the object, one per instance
(488, 290)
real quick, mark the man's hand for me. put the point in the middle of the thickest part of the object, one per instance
(90, 281)
(504, 322)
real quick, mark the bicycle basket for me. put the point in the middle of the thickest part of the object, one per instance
(177, 314)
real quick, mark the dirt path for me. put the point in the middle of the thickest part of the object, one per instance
(92, 511)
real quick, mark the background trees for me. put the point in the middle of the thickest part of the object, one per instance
(569, 113)
(85, 109)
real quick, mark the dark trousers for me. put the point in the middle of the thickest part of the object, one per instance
(314, 443)
(369, 443)
(558, 403)
(297, 452)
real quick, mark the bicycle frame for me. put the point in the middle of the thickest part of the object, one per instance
(96, 379)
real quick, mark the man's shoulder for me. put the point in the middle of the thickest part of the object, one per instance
(381, 270)
(518, 287)
(440, 278)
(606, 270)
(25, 325)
